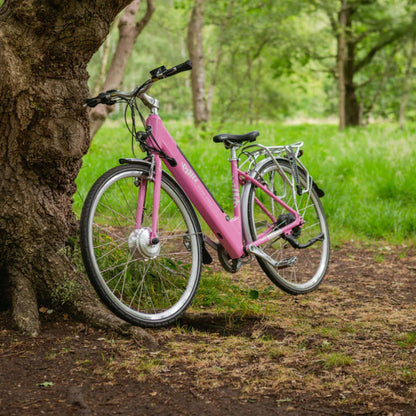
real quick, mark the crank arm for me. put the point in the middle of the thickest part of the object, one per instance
(282, 264)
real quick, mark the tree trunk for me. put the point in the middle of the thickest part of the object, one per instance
(196, 53)
(45, 46)
(348, 89)
(129, 30)
(352, 106)
(218, 58)
(341, 62)
(406, 82)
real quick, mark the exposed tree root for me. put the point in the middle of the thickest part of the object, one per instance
(69, 288)
(94, 313)
(25, 313)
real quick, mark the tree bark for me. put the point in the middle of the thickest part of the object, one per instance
(129, 30)
(218, 57)
(349, 107)
(45, 46)
(406, 82)
(341, 62)
(196, 53)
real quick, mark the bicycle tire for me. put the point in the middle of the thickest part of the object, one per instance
(144, 285)
(301, 270)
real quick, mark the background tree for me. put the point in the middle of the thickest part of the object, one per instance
(362, 30)
(408, 76)
(196, 54)
(45, 46)
(129, 30)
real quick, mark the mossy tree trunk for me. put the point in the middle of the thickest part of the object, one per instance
(45, 46)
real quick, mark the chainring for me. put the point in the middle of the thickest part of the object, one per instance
(229, 264)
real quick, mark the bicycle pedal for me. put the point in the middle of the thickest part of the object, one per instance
(287, 262)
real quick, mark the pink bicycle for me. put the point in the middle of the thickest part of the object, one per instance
(142, 242)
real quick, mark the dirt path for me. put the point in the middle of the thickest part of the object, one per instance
(347, 349)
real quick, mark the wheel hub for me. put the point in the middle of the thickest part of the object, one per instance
(140, 246)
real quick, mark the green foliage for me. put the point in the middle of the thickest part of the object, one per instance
(379, 33)
(274, 60)
(246, 47)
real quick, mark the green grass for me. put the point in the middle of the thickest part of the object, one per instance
(216, 292)
(336, 359)
(366, 173)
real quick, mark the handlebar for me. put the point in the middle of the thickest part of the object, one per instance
(162, 72)
(110, 97)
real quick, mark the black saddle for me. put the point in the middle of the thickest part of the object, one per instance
(230, 140)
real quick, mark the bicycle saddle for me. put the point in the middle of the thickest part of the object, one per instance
(234, 139)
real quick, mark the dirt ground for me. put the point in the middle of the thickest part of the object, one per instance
(347, 349)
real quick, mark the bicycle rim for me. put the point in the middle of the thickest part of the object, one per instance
(300, 270)
(143, 284)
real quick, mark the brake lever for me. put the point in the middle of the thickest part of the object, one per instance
(158, 73)
(101, 98)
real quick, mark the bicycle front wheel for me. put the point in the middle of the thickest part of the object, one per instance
(301, 265)
(144, 284)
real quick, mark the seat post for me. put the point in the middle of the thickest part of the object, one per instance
(235, 183)
(233, 153)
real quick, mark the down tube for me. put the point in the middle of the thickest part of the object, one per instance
(228, 231)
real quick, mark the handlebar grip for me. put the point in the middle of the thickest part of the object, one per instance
(91, 102)
(185, 66)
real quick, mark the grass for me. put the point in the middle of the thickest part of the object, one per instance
(366, 173)
(337, 359)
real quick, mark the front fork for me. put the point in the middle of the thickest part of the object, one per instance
(155, 175)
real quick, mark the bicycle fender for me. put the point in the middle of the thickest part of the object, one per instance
(136, 161)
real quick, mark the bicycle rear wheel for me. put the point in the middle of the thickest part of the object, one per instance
(147, 285)
(300, 270)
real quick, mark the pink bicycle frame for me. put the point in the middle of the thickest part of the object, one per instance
(228, 231)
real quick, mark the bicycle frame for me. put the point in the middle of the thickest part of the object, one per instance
(228, 230)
